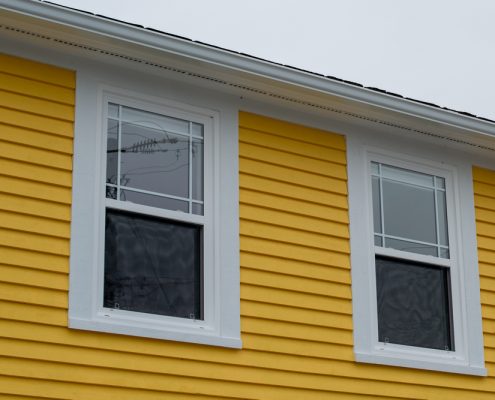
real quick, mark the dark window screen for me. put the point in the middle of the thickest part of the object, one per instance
(152, 265)
(413, 303)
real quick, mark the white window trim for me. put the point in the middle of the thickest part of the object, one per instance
(221, 323)
(468, 357)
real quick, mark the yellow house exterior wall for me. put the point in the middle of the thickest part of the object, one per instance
(296, 314)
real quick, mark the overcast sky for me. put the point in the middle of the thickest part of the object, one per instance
(440, 51)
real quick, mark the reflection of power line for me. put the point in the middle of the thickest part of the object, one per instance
(147, 146)
(153, 171)
(143, 143)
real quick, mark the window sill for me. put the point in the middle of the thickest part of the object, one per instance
(420, 361)
(182, 333)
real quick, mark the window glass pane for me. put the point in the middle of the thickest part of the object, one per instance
(377, 215)
(444, 253)
(409, 211)
(154, 160)
(378, 241)
(440, 182)
(197, 209)
(375, 168)
(112, 150)
(111, 192)
(113, 111)
(413, 304)
(161, 123)
(152, 265)
(197, 129)
(197, 169)
(405, 175)
(412, 247)
(442, 218)
(154, 201)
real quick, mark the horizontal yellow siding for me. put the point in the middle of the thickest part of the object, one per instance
(36, 131)
(484, 199)
(296, 312)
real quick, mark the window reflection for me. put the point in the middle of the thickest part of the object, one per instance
(151, 155)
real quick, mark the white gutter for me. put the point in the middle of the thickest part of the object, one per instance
(169, 44)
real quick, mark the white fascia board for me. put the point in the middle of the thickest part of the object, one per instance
(238, 62)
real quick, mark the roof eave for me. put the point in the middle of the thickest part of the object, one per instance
(238, 62)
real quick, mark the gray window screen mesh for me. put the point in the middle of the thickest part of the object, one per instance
(152, 265)
(413, 303)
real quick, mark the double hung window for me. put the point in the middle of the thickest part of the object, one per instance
(414, 305)
(414, 264)
(154, 214)
(146, 255)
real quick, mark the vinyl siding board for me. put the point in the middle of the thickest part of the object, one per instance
(484, 199)
(288, 193)
(31, 104)
(37, 89)
(44, 73)
(295, 268)
(30, 172)
(25, 184)
(38, 157)
(36, 122)
(36, 207)
(33, 277)
(296, 306)
(34, 139)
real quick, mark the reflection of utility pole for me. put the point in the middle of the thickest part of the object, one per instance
(147, 146)
(111, 190)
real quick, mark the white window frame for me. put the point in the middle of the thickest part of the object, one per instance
(221, 321)
(467, 357)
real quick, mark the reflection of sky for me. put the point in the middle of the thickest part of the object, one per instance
(152, 158)
(409, 211)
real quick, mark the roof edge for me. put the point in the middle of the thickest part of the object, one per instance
(228, 59)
